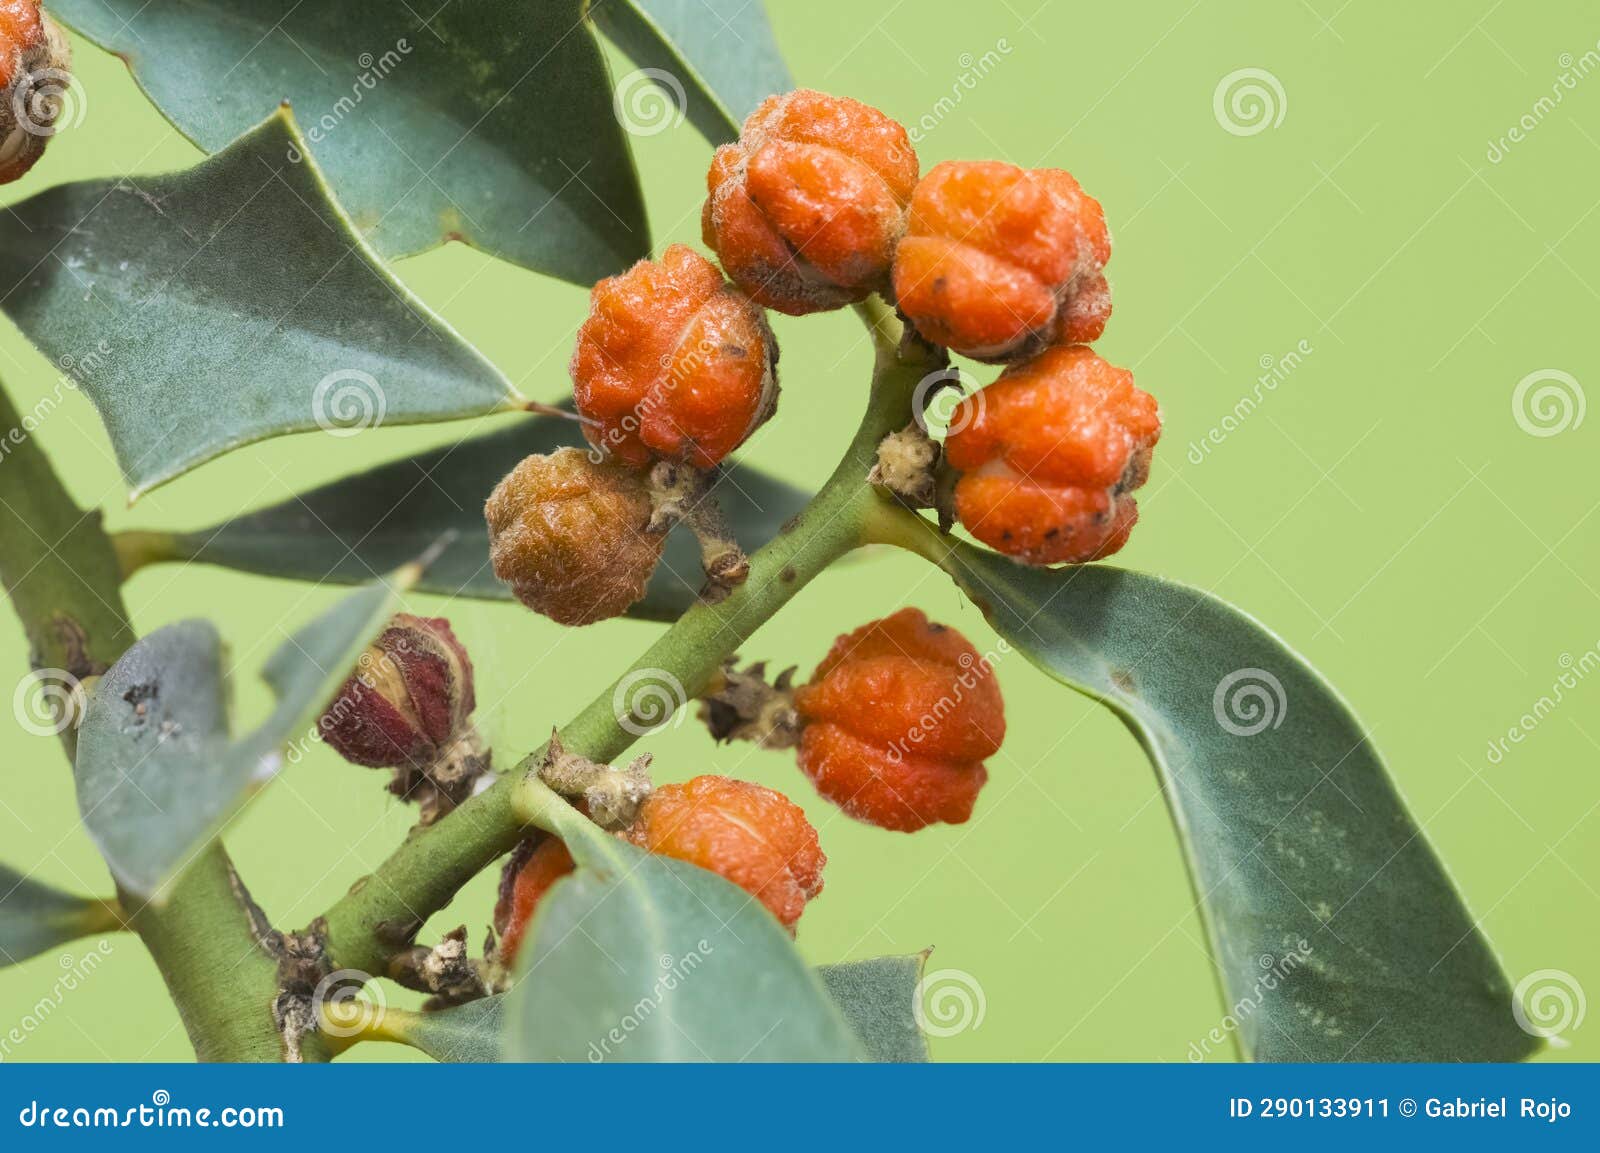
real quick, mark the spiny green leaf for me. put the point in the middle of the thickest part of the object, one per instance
(229, 303)
(879, 999)
(639, 957)
(35, 917)
(712, 59)
(1338, 934)
(158, 773)
(490, 121)
(346, 531)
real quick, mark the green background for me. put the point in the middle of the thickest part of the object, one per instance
(1383, 508)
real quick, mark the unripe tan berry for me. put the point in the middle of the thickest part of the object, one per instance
(572, 537)
(34, 57)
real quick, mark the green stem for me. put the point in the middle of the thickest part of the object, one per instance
(384, 911)
(64, 582)
(136, 548)
(894, 524)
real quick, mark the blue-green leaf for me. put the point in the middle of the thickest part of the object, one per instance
(714, 60)
(225, 304)
(158, 773)
(489, 121)
(878, 997)
(639, 957)
(36, 917)
(1336, 930)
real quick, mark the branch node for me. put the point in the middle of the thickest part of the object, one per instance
(610, 796)
(744, 707)
(683, 495)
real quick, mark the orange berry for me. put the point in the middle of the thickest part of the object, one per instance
(1049, 454)
(572, 537)
(999, 261)
(898, 719)
(531, 870)
(752, 836)
(673, 363)
(34, 56)
(806, 207)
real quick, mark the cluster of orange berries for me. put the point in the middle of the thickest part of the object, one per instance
(819, 204)
(34, 56)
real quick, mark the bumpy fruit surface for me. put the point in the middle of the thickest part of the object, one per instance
(571, 536)
(999, 261)
(34, 56)
(410, 696)
(806, 207)
(673, 363)
(528, 875)
(1049, 455)
(898, 719)
(752, 836)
